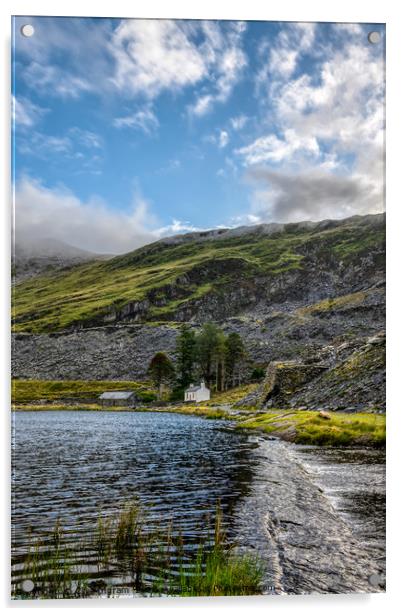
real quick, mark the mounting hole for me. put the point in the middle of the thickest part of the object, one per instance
(374, 37)
(27, 30)
(28, 585)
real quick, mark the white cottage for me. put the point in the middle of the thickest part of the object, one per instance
(197, 393)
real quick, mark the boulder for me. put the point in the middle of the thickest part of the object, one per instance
(324, 415)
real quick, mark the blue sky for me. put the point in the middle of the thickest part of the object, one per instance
(129, 130)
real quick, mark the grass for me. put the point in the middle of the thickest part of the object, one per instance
(336, 303)
(34, 391)
(152, 559)
(308, 427)
(231, 396)
(171, 276)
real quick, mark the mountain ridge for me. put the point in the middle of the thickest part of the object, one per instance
(203, 277)
(32, 258)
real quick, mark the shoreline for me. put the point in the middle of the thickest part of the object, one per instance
(297, 426)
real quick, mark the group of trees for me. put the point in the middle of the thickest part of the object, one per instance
(211, 355)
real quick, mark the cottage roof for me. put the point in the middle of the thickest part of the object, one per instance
(193, 388)
(116, 395)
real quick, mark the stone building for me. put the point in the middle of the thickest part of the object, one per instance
(118, 398)
(197, 393)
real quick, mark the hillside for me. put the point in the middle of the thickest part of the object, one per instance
(46, 255)
(209, 276)
(300, 295)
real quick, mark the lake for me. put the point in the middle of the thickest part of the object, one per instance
(283, 502)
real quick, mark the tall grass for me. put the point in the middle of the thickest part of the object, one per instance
(219, 570)
(49, 564)
(151, 558)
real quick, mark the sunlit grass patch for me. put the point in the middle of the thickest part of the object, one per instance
(310, 428)
(231, 396)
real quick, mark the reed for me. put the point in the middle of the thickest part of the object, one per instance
(154, 559)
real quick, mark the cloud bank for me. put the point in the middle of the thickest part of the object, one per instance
(325, 157)
(42, 213)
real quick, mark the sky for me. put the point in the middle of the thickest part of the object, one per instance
(126, 130)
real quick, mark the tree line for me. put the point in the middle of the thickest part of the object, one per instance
(221, 360)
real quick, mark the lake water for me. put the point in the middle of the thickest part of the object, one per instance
(74, 466)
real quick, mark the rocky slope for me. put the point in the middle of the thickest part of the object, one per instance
(306, 292)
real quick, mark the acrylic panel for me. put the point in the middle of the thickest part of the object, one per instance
(198, 308)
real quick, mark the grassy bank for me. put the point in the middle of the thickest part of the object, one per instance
(305, 427)
(309, 427)
(34, 392)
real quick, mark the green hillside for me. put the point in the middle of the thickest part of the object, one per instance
(154, 282)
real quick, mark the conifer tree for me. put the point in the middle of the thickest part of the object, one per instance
(186, 346)
(161, 371)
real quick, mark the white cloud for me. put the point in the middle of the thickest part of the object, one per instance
(137, 59)
(25, 113)
(54, 81)
(81, 148)
(244, 219)
(239, 122)
(202, 105)
(283, 61)
(42, 212)
(348, 29)
(272, 149)
(144, 120)
(346, 105)
(82, 46)
(226, 70)
(177, 226)
(329, 131)
(223, 139)
(282, 54)
(86, 138)
(42, 145)
(152, 55)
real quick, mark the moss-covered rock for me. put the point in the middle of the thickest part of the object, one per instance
(284, 379)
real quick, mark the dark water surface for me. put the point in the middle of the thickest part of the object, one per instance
(284, 502)
(73, 465)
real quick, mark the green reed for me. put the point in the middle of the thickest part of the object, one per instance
(154, 558)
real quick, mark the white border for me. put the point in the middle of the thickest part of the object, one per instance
(287, 10)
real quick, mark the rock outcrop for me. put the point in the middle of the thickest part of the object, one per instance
(352, 380)
(284, 379)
